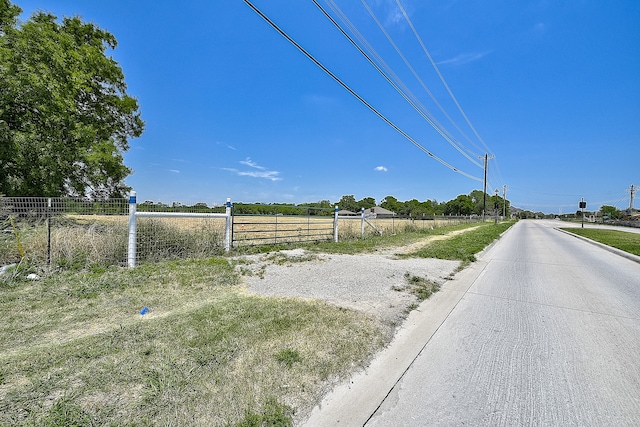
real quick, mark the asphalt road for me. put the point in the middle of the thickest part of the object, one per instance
(548, 334)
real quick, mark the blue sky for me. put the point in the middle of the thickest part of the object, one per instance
(232, 109)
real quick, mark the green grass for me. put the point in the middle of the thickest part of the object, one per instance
(628, 242)
(463, 246)
(75, 350)
(375, 243)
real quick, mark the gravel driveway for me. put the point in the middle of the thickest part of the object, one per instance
(372, 283)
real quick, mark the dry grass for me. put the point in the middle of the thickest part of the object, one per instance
(75, 350)
(78, 241)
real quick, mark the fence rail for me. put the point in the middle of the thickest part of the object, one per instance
(74, 232)
(310, 225)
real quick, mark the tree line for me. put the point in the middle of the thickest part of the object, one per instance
(462, 205)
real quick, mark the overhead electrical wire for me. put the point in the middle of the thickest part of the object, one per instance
(395, 82)
(352, 92)
(444, 82)
(417, 76)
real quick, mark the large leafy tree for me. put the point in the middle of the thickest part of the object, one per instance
(65, 116)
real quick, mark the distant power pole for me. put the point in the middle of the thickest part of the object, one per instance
(504, 201)
(632, 190)
(484, 190)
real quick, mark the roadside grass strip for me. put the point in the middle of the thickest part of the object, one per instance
(628, 242)
(374, 243)
(79, 348)
(463, 246)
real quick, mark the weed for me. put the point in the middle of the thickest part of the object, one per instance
(421, 287)
(288, 357)
(272, 414)
(67, 413)
(280, 258)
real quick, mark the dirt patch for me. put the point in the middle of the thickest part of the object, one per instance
(372, 283)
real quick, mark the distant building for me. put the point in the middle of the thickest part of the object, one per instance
(379, 212)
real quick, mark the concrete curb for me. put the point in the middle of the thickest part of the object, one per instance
(353, 403)
(611, 249)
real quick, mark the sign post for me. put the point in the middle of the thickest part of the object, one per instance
(583, 205)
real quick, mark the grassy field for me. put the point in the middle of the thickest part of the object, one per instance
(76, 350)
(628, 242)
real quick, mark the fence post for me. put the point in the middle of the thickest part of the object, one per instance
(227, 231)
(131, 249)
(49, 232)
(335, 224)
(362, 221)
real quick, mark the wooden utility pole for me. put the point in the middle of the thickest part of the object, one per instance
(484, 190)
(504, 201)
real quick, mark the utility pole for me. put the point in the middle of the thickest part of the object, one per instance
(484, 190)
(496, 207)
(504, 201)
(632, 190)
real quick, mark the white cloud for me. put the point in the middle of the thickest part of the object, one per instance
(261, 172)
(381, 168)
(249, 162)
(271, 175)
(464, 58)
(174, 171)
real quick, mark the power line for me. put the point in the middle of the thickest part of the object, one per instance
(404, 91)
(435, 67)
(352, 92)
(415, 74)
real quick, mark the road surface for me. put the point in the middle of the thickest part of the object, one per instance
(548, 334)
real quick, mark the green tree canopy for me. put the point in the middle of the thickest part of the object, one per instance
(611, 211)
(65, 116)
(461, 205)
(367, 202)
(348, 202)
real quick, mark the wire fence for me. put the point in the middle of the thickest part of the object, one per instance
(73, 233)
(274, 224)
(63, 232)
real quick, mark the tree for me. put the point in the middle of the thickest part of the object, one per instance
(367, 202)
(65, 116)
(392, 204)
(611, 212)
(348, 202)
(461, 205)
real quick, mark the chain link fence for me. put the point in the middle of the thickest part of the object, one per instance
(63, 232)
(67, 233)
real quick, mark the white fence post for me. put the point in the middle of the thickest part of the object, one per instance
(335, 224)
(227, 236)
(362, 220)
(131, 249)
